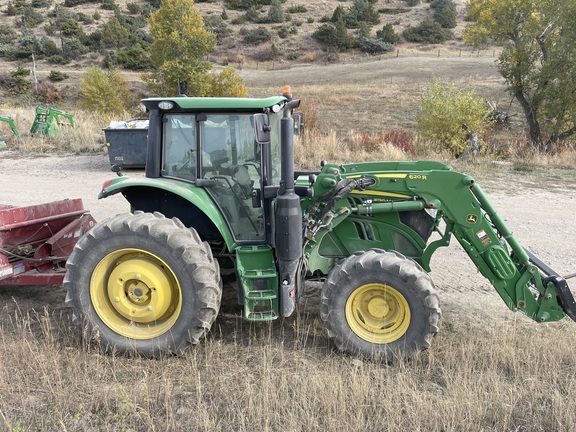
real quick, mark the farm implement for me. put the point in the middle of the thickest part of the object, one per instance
(36, 241)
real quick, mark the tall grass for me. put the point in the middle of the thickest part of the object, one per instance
(283, 376)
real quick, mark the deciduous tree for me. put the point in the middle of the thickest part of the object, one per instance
(179, 51)
(538, 61)
(103, 91)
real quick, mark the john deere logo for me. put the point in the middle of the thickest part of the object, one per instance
(471, 218)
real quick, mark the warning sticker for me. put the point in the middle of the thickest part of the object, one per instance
(484, 237)
(19, 268)
(6, 271)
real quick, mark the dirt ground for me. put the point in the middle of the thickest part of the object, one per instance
(540, 208)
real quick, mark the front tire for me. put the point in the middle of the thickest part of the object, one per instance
(143, 283)
(380, 305)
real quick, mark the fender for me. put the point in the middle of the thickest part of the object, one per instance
(189, 192)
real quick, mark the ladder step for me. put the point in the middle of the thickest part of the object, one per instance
(259, 281)
(260, 295)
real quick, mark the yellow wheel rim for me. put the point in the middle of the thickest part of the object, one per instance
(135, 294)
(378, 313)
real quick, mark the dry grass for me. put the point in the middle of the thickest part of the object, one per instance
(283, 376)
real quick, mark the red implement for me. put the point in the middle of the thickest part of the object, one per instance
(35, 241)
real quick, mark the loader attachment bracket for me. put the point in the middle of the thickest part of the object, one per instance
(565, 297)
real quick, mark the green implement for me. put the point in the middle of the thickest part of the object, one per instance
(49, 120)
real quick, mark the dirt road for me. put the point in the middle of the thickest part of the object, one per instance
(540, 208)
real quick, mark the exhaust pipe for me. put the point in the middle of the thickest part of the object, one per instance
(288, 235)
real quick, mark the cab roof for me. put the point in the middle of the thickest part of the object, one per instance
(213, 103)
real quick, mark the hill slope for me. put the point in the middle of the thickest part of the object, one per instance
(75, 33)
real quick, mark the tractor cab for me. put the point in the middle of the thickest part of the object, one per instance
(206, 166)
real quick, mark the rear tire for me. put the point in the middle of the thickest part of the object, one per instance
(142, 283)
(380, 305)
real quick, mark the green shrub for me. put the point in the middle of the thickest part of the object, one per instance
(59, 59)
(17, 83)
(275, 13)
(11, 9)
(109, 5)
(70, 28)
(7, 34)
(334, 36)
(48, 47)
(73, 3)
(245, 4)
(297, 9)
(393, 11)
(286, 31)
(362, 11)
(133, 8)
(412, 2)
(257, 36)
(83, 18)
(387, 34)
(427, 32)
(134, 58)
(114, 35)
(253, 15)
(30, 18)
(57, 76)
(374, 46)
(216, 25)
(446, 112)
(40, 4)
(72, 48)
(445, 13)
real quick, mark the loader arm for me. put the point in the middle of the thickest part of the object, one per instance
(462, 210)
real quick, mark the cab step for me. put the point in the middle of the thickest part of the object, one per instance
(259, 280)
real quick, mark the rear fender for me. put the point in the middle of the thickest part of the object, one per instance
(191, 204)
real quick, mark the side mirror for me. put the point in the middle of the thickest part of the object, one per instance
(262, 128)
(298, 117)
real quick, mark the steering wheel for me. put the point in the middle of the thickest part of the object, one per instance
(242, 178)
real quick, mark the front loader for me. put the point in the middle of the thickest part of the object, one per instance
(221, 191)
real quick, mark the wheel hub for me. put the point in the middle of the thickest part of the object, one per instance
(378, 313)
(135, 293)
(378, 307)
(138, 292)
(134, 283)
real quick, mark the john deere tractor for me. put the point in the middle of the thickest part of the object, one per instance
(221, 191)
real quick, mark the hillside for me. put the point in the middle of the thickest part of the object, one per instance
(74, 34)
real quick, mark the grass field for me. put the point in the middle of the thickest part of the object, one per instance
(498, 376)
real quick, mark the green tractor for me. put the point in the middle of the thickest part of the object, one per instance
(221, 191)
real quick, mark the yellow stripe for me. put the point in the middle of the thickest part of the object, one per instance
(378, 193)
(400, 176)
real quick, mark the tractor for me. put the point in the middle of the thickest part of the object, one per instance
(221, 191)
